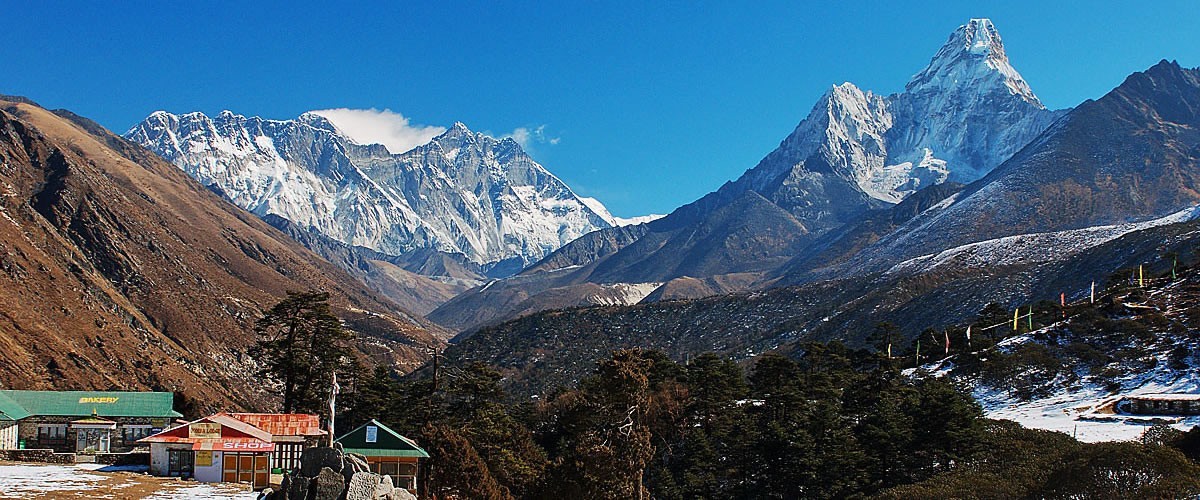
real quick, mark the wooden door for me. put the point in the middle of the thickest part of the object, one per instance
(262, 471)
(229, 467)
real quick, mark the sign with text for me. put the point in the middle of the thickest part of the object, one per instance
(204, 430)
(204, 459)
(102, 401)
(247, 446)
(372, 433)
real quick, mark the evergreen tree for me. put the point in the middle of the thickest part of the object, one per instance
(604, 441)
(455, 468)
(301, 344)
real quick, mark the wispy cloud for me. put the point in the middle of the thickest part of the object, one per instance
(387, 127)
(528, 137)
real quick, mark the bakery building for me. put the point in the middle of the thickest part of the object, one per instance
(82, 421)
(233, 447)
(387, 452)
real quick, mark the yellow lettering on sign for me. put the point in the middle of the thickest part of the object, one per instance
(86, 400)
(204, 459)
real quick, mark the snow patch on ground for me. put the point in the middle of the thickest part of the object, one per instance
(25, 480)
(623, 294)
(1084, 409)
(204, 491)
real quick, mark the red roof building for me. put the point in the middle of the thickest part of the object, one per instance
(233, 447)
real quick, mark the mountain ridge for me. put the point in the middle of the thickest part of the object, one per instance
(854, 154)
(119, 270)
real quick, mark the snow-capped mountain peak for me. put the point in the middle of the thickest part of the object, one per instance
(463, 192)
(956, 120)
(973, 57)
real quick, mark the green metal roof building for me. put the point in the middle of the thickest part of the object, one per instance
(386, 451)
(380, 442)
(88, 403)
(82, 421)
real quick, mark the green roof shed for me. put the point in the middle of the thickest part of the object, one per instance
(374, 439)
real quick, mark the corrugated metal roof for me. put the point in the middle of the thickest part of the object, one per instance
(11, 410)
(283, 424)
(1166, 397)
(372, 452)
(85, 403)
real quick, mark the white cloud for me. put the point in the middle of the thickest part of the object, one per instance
(372, 126)
(527, 137)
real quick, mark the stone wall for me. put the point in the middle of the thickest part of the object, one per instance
(37, 455)
(141, 458)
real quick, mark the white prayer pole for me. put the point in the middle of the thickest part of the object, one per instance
(333, 392)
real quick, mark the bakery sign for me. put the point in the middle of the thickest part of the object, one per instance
(94, 400)
(204, 430)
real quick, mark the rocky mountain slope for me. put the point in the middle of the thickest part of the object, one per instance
(855, 154)
(465, 194)
(1133, 154)
(541, 351)
(121, 272)
(1069, 368)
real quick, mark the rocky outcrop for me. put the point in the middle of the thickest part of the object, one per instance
(328, 474)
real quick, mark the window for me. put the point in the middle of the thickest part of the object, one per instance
(180, 463)
(286, 456)
(136, 432)
(52, 434)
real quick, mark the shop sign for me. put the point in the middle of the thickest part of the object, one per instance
(247, 445)
(204, 430)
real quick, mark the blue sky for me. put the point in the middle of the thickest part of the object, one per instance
(652, 104)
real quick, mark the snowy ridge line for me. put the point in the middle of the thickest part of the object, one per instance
(1034, 247)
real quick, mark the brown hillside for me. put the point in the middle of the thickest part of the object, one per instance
(118, 271)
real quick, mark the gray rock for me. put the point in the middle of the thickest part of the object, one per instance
(385, 490)
(312, 460)
(402, 494)
(328, 485)
(362, 486)
(358, 462)
(297, 488)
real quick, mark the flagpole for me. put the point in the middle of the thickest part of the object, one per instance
(333, 392)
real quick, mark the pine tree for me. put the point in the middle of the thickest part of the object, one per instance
(301, 343)
(455, 468)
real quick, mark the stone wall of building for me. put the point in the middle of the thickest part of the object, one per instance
(28, 432)
(41, 455)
